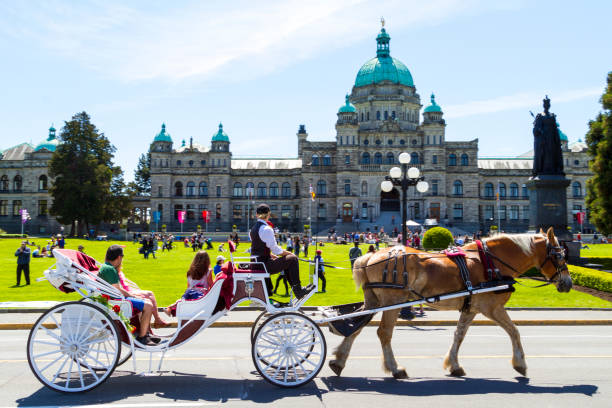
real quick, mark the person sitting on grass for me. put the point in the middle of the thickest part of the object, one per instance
(36, 253)
(199, 280)
(110, 273)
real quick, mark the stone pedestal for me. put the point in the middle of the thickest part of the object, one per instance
(548, 204)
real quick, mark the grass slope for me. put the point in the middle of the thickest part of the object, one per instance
(166, 277)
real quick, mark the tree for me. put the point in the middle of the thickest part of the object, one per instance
(86, 186)
(599, 187)
(142, 175)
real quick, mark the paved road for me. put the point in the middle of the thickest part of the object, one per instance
(568, 366)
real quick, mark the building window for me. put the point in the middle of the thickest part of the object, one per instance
(160, 191)
(237, 213)
(190, 212)
(218, 191)
(390, 158)
(377, 115)
(42, 208)
(249, 189)
(464, 160)
(42, 183)
(190, 189)
(327, 160)
(178, 189)
(273, 213)
(203, 189)
(261, 190)
(17, 183)
(393, 115)
(274, 190)
(218, 211)
(347, 187)
(286, 190)
(347, 159)
(321, 212)
(364, 188)
(525, 191)
(514, 212)
(286, 211)
(488, 212)
(16, 207)
(576, 162)
(3, 207)
(203, 163)
(514, 190)
(190, 163)
(458, 211)
(502, 212)
(414, 158)
(434, 187)
(315, 160)
(434, 159)
(321, 188)
(386, 115)
(489, 190)
(378, 158)
(367, 115)
(366, 142)
(502, 190)
(452, 159)
(4, 183)
(390, 142)
(237, 191)
(365, 158)
(362, 116)
(576, 189)
(526, 212)
(457, 188)
(364, 211)
(178, 163)
(378, 142)
(402, 142)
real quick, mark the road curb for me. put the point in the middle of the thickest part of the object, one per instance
(591, 322)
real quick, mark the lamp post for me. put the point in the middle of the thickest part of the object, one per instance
(404, 177)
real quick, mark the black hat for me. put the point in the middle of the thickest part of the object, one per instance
(262, 209)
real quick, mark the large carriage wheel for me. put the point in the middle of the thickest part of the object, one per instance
(257, 324)
(73, 347)
(289, 349)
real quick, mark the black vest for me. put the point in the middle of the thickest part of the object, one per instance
(258, 247)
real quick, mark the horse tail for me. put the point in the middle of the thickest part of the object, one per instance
(359, 269)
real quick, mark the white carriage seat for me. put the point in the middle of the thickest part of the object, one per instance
(187, 309)
(125, 306)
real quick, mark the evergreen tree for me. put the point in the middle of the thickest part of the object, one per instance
(599, 187)
(142, 175)
(84, 173)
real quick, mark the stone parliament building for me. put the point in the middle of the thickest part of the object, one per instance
(380, 119)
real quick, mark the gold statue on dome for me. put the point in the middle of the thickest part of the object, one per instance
(382, 22)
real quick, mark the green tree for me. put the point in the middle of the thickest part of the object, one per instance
(142, 175)
(599, 142)
(82, 166)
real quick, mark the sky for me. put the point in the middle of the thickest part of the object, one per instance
(263, 68)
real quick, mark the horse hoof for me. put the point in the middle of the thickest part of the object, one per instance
(458, 372)
(335, 367)
(400, 374)
(521, 370)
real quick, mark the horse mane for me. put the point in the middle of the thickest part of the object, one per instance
(524, 241)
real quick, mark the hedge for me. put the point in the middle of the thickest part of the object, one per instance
(13, 236)
(591, 278)
(437, 238)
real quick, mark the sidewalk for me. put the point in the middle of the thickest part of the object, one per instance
(13, 320)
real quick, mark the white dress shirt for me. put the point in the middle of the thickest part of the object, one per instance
(266, 234)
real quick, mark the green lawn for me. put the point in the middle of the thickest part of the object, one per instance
(166, 277)
(597, 250)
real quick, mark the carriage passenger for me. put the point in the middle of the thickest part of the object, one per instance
(199, 280)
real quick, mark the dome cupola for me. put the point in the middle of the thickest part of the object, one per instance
(220, 136)
(50, 143)
(163, 136)
(434, 107)
(347, 107)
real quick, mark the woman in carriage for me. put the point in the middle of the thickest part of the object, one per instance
(199, 280)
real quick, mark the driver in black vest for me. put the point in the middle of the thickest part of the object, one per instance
(275, 258)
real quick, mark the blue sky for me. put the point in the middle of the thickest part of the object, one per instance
(263, 68)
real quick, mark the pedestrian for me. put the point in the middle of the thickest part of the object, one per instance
(81, 249)
(296, 245)
(354, 253)
(306, 247)
(321, 269)
(153, 246)
(218, 265)
(290, 244)
(61, 241)
(23, 263)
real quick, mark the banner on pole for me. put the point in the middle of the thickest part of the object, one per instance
(580, 216)
(156, 216)
(24, 215)
(312, 193)
(206, 215)
(181, 217)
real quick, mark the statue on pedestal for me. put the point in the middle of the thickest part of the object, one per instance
(547, 156)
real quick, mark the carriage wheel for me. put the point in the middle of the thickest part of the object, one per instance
(73, 347)
(289, 350)
(257, 324)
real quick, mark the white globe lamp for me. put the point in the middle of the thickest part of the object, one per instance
(422, 186)
(395, 172)
(413, 173)
(404, 158)
(386, 186)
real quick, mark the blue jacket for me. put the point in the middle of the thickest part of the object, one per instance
(23, 258)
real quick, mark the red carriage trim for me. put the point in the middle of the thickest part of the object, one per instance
(232, 246)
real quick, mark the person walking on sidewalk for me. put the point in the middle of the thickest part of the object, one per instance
(23, 262)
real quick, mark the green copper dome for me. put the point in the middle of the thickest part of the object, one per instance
(220, 136)
(347, 107)
(50, 144)
(163, 136)
(562, 136)
(434, 107)
(383, 67)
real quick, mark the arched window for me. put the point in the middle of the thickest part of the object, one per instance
(514, 190)
(390, 158)
(203, 189)
(42, 182)
(393, 115)
(576, 189)
(237, 192)
(452, 159)
(386, 115)
(464, 160)
(377, 115)
(286, 190)
(327, 160)
(367, 115)
(365, 158)
(249, 189)
(457, 188)
(366, 142)
(190, 189)
(362, 116)
(502, 189)
(261, 190)
(321, 188)
(489, 190)
(364, 188)
(414, 158)
(178, 163)
(190, 212)
(178, 189)
(315, 160)
(17, 183)
(525, 191)
(4, 183)
(218, 211)
(273, 189)
(378, 158)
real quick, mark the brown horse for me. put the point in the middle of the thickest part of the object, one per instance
(433, 274)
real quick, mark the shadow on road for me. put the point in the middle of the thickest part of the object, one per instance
(176, 386)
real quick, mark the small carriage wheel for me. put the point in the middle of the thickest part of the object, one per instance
(73, 347)
(257, 323)
(289, 349)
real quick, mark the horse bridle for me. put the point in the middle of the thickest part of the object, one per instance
(554, 254)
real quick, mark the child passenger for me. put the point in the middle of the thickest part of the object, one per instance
(199, 280)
